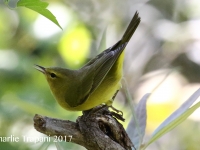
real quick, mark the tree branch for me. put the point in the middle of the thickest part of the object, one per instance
(95, 130)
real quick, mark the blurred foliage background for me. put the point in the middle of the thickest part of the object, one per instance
(162, 57)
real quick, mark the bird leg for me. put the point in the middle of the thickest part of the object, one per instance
(116, 110)
(115, 95)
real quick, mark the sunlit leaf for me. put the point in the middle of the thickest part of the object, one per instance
(40, 7)
(184, 107)
(177, 117)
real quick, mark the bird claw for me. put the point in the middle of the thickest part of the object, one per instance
(118, 116)
(117, 111)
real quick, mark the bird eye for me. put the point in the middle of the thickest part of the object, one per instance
(53, 75)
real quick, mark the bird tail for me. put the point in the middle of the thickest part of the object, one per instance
(130, 29)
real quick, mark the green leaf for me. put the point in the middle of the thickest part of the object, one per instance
(137, 126)
(174, 123)
(176, 118)
(39, 7)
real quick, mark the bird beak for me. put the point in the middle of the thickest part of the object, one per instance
(40, 68)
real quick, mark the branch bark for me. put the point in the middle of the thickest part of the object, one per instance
(95, 130)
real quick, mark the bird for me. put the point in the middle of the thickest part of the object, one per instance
(97, 82)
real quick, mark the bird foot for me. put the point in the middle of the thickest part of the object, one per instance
(117, 113)
(116, 110)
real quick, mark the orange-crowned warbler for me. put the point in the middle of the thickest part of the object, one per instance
(96, 82)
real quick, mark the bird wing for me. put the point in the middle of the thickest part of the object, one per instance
(94, 72)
